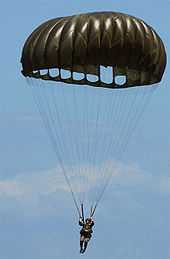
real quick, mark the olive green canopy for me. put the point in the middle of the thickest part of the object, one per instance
(82, 43)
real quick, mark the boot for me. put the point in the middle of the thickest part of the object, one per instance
(81, 247)
(85, 246)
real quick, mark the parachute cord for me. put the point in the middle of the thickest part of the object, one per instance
(82, 211)
(115, 114)
(53, 140)
(147, 98)
(101, 195)
(59, 120)
(72, 193)
(76, 143)
(46, 124)
(122, 150)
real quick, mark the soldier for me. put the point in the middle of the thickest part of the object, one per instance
(85, 233)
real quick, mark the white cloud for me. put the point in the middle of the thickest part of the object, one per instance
(31, 184)
(47, 182)
(46, 192)
(30, 189)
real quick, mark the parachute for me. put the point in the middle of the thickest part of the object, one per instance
(92, 76)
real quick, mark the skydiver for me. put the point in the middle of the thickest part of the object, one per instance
(85, 233)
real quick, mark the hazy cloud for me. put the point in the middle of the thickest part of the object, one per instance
(26, 185)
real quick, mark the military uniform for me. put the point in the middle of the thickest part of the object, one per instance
(85, 233)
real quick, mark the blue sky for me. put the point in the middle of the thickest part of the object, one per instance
(35, 222)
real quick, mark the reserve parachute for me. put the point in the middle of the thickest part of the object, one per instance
(92, 76)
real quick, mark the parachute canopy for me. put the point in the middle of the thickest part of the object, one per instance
(82, 43)
(90, 127)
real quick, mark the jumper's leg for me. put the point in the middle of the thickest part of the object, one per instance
(85, 246)
(81, 243)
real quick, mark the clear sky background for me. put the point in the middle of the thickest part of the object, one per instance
(133, 219)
